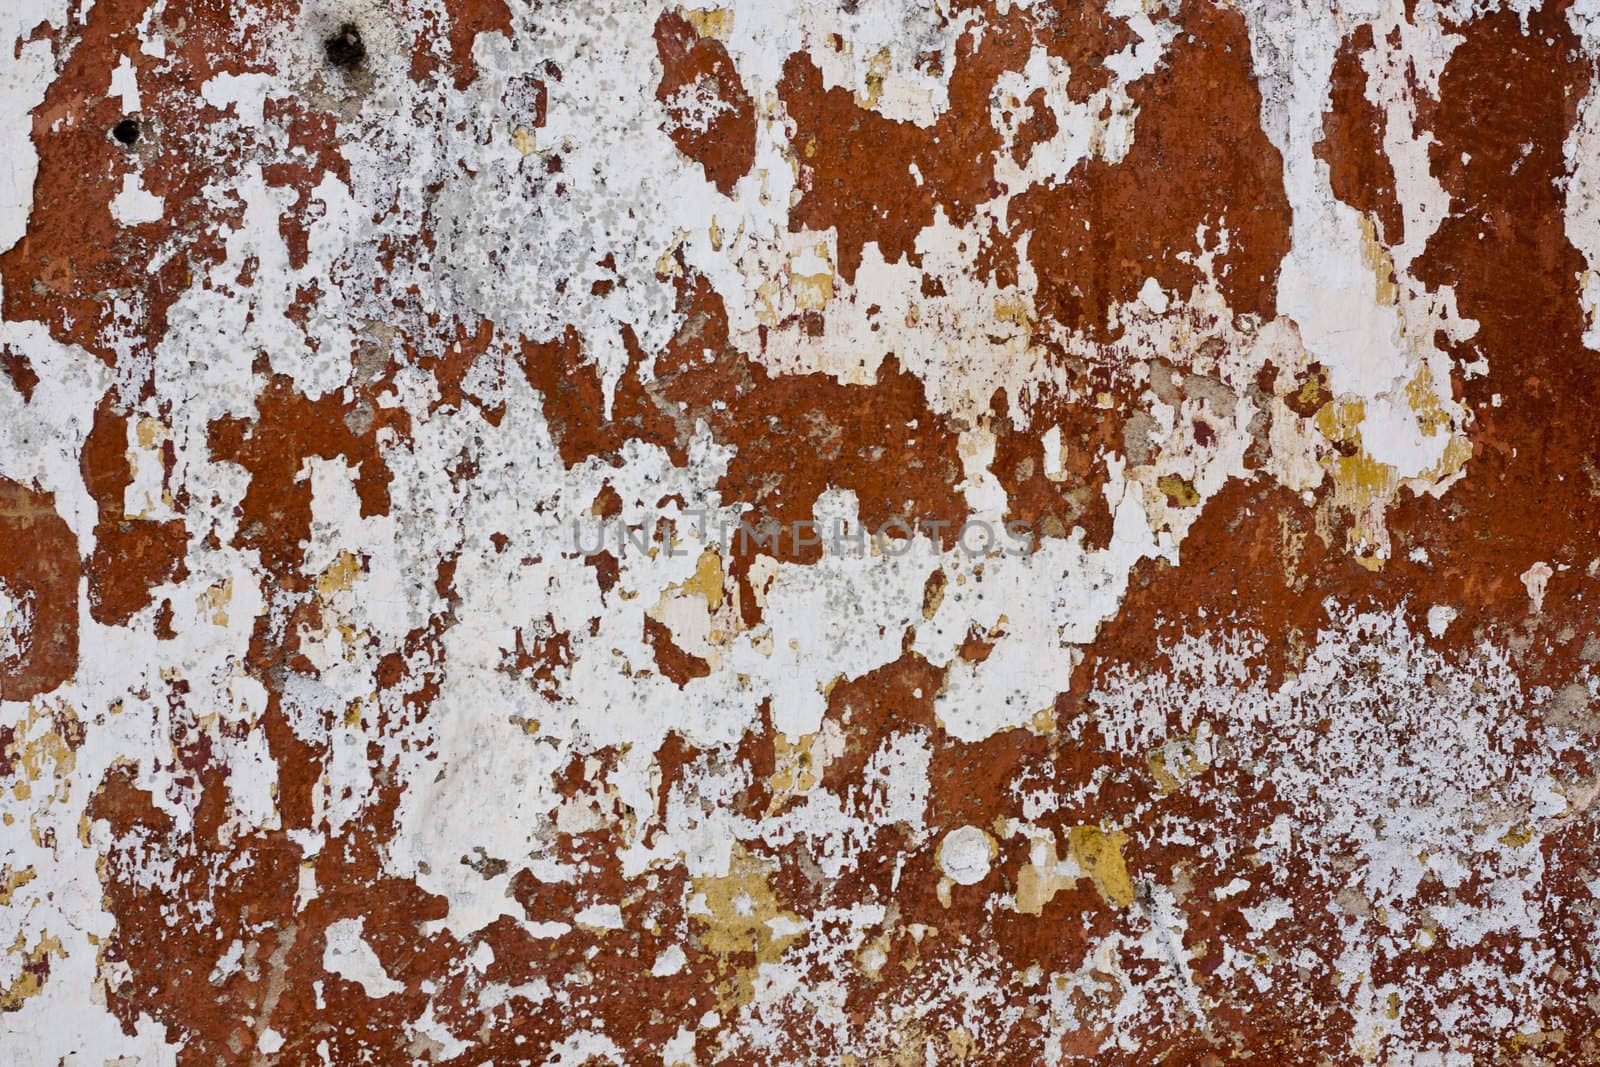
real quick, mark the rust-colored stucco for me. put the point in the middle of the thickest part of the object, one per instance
(834, 533)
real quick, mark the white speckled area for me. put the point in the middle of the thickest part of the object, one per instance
(860, 532)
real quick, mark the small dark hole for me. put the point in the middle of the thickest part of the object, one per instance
(126, 131)
(345, 49)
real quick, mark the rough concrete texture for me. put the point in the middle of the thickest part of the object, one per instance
(1270, 326)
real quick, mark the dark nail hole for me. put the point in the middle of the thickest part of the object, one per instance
(345, 49)
(126, 131)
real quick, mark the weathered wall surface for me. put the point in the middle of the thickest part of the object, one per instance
(380, 684)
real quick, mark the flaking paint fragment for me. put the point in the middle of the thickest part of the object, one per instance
(323, 740)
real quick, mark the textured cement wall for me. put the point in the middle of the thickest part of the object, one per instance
(809, 531)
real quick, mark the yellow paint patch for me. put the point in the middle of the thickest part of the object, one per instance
(1043, 723)
(741, 909)
(13, 880)
(340, 575)
(1178, 491)
(794, 770)
(1380, 263)
(877, 72)
(811, 278)
(1340, 421)
(812, 291)
(1013, 308)
(216, 600)
(1099, 855)
(741, 919)
(714, 22)
(44, 755)
(1037, 882)
(150, 432)
(34, 964)
(1517, 837)
(707, 580)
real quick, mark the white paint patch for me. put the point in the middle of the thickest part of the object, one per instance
(135, 205)
(964, 855)
(350, 957)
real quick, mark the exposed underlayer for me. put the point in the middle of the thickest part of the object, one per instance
(808, 531)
